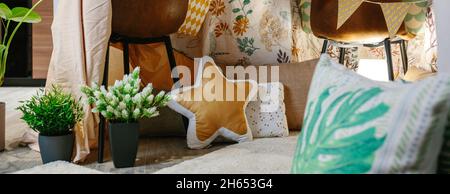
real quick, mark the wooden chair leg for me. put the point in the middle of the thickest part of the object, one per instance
(325, 46)
(173, 65)
(404, 53)
(387, 46)
(172, 61)
(102, 124)
(342, 52)
(126, 57)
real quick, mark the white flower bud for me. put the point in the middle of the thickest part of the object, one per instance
(98, 103)
(127, 88)
(97, 94)
(150, 98)
(109, 96)
(161, 94)
(110, 109)
(148, 89)
(127, 98)
(122, 106)
(117, 84)
(137, 99)
(125, 114)
(136, 113)
(103, 89)
(152, 110)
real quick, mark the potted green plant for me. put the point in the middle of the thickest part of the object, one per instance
(8, 16)
(53, 114)
(19, 15)
(123, 105)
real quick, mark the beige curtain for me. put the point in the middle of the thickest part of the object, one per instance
(81, 30)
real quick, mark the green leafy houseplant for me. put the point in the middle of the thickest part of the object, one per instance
(20, 15)
(52, 113)
(123, 103)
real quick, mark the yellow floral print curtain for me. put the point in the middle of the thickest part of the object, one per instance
(242, 32)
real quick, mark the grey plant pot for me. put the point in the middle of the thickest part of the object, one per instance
(124, 142)
(56, 148)
(2, 125)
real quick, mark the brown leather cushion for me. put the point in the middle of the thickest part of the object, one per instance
(148, 18)
(367, 24)
(296, 78)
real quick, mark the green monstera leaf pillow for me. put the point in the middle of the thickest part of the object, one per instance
(353, 125)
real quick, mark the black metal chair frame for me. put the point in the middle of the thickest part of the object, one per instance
(126, 41)
(388, 49)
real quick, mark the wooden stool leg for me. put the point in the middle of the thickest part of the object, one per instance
(102, 124)
(387, 47)
(404, 53)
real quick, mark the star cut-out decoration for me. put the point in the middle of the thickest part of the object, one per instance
(215, 106)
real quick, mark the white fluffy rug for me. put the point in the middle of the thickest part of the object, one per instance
(59, 167)
(262, 156)
(16, 130)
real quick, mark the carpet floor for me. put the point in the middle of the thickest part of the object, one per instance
(261, 156)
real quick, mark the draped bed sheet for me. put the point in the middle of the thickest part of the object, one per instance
(80, 36)
(235, 32)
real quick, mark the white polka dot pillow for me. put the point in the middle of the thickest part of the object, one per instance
(267, 114)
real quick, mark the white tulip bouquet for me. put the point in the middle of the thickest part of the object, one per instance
(123, 103)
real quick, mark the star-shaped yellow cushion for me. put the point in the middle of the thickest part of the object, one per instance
(215, 106)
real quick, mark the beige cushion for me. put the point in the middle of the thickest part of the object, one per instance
(416, 74)
(296, 78)
(215, 106)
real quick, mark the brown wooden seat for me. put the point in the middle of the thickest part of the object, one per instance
(367, 26)
(148, 18)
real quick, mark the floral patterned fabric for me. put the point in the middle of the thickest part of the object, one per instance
(243, 32)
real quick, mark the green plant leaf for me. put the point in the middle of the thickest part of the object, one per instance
(323, 152)
(52, 113)
(5, 12)
(19, 13)
(2, 48)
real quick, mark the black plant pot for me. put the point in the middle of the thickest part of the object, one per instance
(124, 142)
(56, 148)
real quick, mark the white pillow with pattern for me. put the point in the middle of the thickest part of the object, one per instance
(267, 115)
(354, 125)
